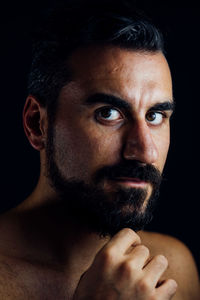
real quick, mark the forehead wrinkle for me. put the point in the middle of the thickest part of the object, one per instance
(107, 60)
(118, 72)
(146, 96)
(140, 97)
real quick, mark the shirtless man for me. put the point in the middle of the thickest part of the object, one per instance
(98, 111)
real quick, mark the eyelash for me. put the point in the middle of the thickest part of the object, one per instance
(164, 114)
(99, 110)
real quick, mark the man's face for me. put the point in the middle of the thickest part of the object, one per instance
(110, 137)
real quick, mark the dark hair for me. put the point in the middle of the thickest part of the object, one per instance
(84, 23)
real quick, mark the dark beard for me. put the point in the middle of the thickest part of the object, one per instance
(103, 212)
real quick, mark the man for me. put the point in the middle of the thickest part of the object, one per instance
(98, 110)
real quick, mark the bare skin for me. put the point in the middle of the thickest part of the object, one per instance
(43, 255)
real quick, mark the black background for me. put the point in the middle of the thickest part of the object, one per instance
(178, 212)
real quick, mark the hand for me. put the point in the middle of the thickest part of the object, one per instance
(122, 270)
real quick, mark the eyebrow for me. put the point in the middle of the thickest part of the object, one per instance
(107, 99)
(167, 105)
(122, 104)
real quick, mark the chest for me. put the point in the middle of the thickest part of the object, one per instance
(28, 282)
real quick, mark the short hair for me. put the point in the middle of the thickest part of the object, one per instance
(79, 24)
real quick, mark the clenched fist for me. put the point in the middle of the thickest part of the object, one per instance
(122, 269)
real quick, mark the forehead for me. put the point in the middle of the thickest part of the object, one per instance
(125, 73)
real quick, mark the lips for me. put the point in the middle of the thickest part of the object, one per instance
(130, 181)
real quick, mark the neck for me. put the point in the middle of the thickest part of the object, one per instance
(38, 231)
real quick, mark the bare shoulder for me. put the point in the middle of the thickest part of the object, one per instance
(181, 267)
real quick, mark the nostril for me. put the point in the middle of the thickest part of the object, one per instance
(139, 143)
(145, 151)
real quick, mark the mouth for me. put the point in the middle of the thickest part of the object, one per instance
(131, 182)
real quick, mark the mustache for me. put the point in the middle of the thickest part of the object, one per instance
(131, 169)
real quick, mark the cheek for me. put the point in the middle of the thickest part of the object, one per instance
(103, 147)
(72, 152)
(163, 141)
(106, 149)
(81, 151)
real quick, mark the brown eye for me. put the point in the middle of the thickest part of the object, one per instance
(151, 116)
(109, 114)
(106, 113)
(154, 118)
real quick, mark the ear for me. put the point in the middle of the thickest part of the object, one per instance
(35, 122)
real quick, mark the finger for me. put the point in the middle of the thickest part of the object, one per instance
(139, 256)
(121, 241)
(167, 288)
(155, 268)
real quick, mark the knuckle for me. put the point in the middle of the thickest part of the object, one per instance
(161, 260)
(172, 285)
(128, 231)
(143, 286)
(126, 269)
(144, 250)
(106, 257)
(132, 234)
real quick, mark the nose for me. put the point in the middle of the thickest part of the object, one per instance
(139, 144)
